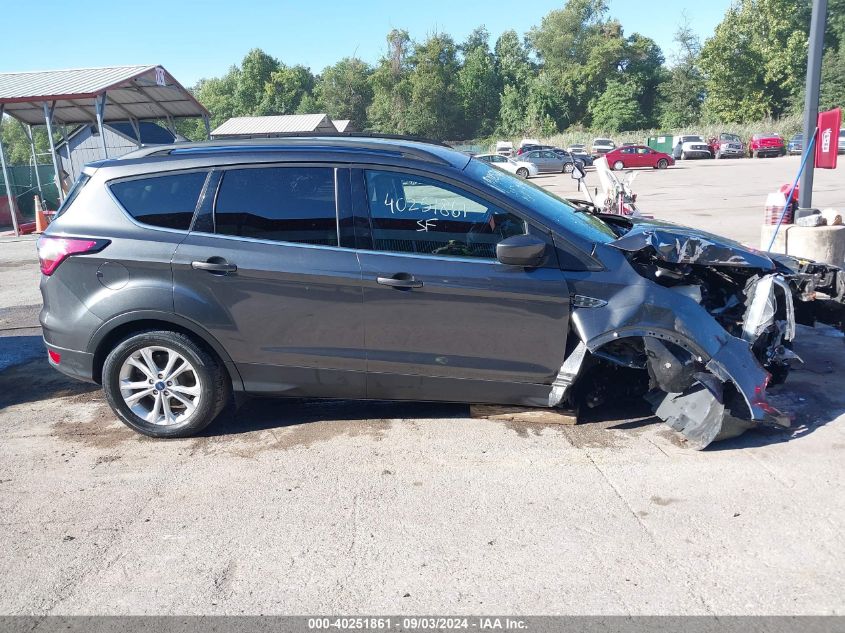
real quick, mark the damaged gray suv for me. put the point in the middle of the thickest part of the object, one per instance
(367, 268)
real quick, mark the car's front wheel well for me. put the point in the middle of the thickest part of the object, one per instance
(132, 328)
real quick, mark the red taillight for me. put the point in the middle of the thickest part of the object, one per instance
(52, 251)
(54, 356)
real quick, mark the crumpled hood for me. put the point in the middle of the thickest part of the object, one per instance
(683, 245)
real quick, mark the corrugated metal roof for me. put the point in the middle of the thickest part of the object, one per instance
(73, 81)
(341, 124)
(267, 125)
(133, 91)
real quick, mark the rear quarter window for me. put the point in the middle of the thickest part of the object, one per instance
(73, 193)
(166, 201)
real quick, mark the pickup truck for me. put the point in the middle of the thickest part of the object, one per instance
(690, 146)
(727, 146)
(766, 145)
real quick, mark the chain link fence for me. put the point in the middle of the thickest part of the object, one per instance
(24, 187)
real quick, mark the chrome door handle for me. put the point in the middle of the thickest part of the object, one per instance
(215, 267)
(402, 280)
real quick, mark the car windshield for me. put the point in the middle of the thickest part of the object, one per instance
(602, 141)
(557, 210)
(692, 139)
(730, 137)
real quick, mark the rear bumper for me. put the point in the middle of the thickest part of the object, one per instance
(73, 363)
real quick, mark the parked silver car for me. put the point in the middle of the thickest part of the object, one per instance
(550, 161)
(521, 168)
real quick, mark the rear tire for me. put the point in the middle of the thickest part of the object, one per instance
(618, 165)
(522, 173)
(662, 163)
(188, 386)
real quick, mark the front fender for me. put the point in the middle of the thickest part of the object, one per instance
(647, 310)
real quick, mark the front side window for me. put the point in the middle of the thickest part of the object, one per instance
(284, 204)
(413, 214)
(164, 201)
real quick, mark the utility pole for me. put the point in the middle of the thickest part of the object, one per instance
(811, 98)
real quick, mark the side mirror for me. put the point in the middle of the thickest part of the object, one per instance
(527, 251)
(578, 172)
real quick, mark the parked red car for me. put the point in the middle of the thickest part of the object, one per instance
(638, 156)
(766, 145)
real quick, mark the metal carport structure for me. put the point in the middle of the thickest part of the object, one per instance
(91, 95)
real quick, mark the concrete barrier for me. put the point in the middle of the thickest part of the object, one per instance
(820, 243)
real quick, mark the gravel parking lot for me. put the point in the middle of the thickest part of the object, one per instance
(344, 507)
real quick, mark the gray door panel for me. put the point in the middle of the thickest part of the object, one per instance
(470, 319)
(286, 305)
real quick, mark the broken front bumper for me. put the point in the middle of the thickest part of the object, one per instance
(707, 384)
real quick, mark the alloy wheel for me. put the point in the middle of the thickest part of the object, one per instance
(159, 385)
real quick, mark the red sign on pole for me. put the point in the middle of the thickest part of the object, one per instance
(827, 143)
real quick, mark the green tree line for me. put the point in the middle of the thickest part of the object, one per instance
(578, 69)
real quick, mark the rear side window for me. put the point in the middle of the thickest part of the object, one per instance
(285, 204)
(74, 191)
(164, 201)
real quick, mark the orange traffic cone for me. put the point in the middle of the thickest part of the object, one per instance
(40, 218)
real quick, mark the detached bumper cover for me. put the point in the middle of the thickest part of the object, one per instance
(698, 403)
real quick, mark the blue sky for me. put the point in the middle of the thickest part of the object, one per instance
(202, 38)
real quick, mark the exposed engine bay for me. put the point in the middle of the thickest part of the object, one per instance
(714, 328)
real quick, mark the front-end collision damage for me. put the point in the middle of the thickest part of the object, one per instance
(703, 381)
(710, 323)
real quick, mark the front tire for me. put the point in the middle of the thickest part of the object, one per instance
(567, 168)
(662, 163)
(683, 155)
(162, 384)
(522, 173)
(618, 165)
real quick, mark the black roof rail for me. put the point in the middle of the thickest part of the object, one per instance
(365, 135)
(369, 141)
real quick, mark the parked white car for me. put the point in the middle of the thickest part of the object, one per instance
(690, 146)
(505, 148)
(521, 168)
(529, 141)
(602, 146)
